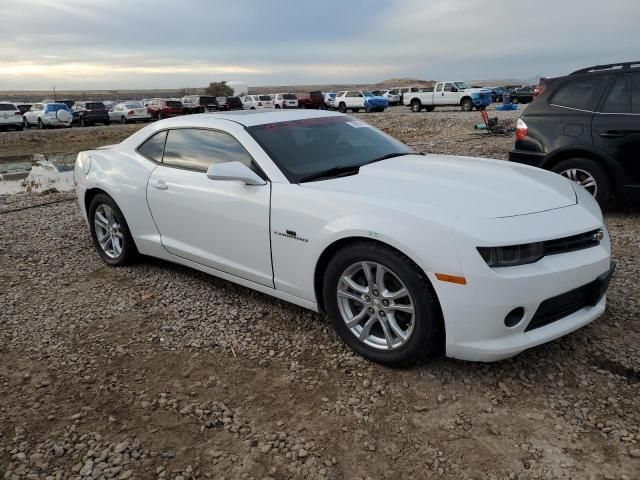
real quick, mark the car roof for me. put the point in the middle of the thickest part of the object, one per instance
(248, 118)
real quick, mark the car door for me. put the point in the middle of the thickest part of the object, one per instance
(616, 124)
(450, 94)
(438, 94)
(220, 224)
(32, 114)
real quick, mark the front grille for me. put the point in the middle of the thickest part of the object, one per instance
(555, 308)
(573, 243)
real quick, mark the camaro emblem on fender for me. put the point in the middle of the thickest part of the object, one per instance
(291, 234)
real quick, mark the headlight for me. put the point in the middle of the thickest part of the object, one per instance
(512, 255)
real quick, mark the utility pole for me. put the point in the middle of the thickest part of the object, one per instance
(54, 93)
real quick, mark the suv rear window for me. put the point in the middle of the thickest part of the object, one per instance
(173, 104)
(289, 96)
(95, 106)
(7, 107)
(579, 94)
(208, 101)
(265, 98)
(617, 99)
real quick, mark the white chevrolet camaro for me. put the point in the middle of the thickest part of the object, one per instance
(408, 254)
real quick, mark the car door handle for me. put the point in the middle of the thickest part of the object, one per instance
(160, 184)
(611, 133)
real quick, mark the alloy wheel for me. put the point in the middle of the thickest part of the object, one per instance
(376, 305)
(582, 177)
(108, 231)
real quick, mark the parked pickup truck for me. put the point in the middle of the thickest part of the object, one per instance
(447, 94)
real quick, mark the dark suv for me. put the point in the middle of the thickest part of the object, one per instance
(90, 113)
(586, 127)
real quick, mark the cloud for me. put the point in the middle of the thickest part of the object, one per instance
(165, 43)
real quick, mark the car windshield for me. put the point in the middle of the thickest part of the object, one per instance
(54, 107)
(265, 98)
(304, 148)
(367, 94)
(332, 95)
(461, 85)
(173, 104)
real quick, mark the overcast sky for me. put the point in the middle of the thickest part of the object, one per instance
(185, 43)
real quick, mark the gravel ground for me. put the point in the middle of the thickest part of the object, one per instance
(158, 371)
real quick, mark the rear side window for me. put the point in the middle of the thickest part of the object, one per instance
(153, 148)
(579, 94)
(635, 94)
(617, 99)
(7, 107)
(196, 149)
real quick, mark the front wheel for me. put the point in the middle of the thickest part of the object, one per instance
(123, 120)
(342, 108)
(381, 304)
(40, 124)
(25, 122)
(110, 233)
(591, 176)
(467, 105)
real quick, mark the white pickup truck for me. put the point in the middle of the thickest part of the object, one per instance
(444, 94)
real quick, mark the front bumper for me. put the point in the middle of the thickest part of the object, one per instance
(475, 313)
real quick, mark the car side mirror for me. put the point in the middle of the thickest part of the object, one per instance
(234, 171)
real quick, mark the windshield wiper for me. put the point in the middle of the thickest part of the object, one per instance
(336, 171)
(391, 155)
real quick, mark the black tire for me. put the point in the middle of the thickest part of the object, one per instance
(425, 338)
(129, 250)
(368, 109)
(26, 122)
(123, 120)
(592, 168)
(342, 107)
(41, 125)
(160, 117)
(515, 100)
(416, 106)
(83, 123)
(466, 104)
(277, 106)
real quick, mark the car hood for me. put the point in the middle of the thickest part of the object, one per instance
(466, 186)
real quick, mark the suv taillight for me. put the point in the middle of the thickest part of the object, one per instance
(538, 90)
(521, 129)
(131, 112)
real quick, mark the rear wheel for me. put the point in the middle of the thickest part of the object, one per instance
(416, 106)
(123, 120)
(590, 175)
(277, 106)
(381, 304)
(342, 107)
(40, 124)
(110, 232)
(515, 100)
(467, 105)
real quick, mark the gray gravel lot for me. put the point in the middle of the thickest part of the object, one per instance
(158, 371)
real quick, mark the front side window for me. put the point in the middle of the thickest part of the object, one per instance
(197, 149)
(303, 148)
(439, 88)
(617, 99)
(635, 93)
(153, 148)
(580, 94)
